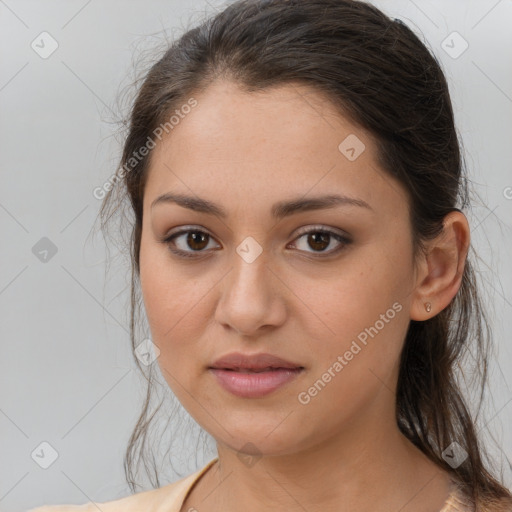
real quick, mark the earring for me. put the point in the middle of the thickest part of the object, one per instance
(428, 307)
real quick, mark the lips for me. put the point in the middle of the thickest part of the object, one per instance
(253, 363)
(249, 370)
(253, 376)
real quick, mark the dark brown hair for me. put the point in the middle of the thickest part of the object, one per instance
(380, 75)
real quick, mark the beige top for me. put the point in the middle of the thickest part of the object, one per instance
(170, 498)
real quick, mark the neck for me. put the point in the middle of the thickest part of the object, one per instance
(373, 468)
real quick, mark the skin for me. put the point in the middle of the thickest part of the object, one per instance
(343, 450)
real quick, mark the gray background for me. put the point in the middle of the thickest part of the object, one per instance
(67, 376)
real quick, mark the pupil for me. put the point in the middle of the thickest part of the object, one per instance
(317, 239)
(196, 236)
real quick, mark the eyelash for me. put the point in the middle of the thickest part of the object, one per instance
(344, 240)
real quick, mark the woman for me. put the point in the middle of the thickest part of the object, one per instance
(297, 189)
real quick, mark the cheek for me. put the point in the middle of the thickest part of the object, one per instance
(177, 300)
(169, 296)
(368, 305)
(356, 359)
(169, 314)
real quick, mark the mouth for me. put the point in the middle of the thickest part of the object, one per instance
(261, 362)
(253, 375)
(254, 383)
(258, 370)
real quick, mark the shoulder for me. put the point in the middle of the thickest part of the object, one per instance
(168, 498)
(63, 508)
(459, 501)
(503, 505)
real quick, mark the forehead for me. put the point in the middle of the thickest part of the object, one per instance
(277, 143)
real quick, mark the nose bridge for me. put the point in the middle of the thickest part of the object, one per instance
(248, 299)
(249, 275)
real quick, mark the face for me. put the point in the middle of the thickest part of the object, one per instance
(325, 287)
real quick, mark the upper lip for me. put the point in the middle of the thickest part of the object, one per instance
(237, 360)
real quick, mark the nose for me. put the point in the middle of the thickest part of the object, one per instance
(251, 297)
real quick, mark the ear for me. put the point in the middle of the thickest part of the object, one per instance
(440, 270)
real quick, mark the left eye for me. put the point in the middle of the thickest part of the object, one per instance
(320, 240)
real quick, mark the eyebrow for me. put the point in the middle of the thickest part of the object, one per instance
(279, 210)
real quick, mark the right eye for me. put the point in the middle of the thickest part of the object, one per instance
(195, 241)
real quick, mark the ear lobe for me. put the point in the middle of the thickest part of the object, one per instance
(442, 267)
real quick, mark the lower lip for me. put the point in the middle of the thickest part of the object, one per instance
(256, 384)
